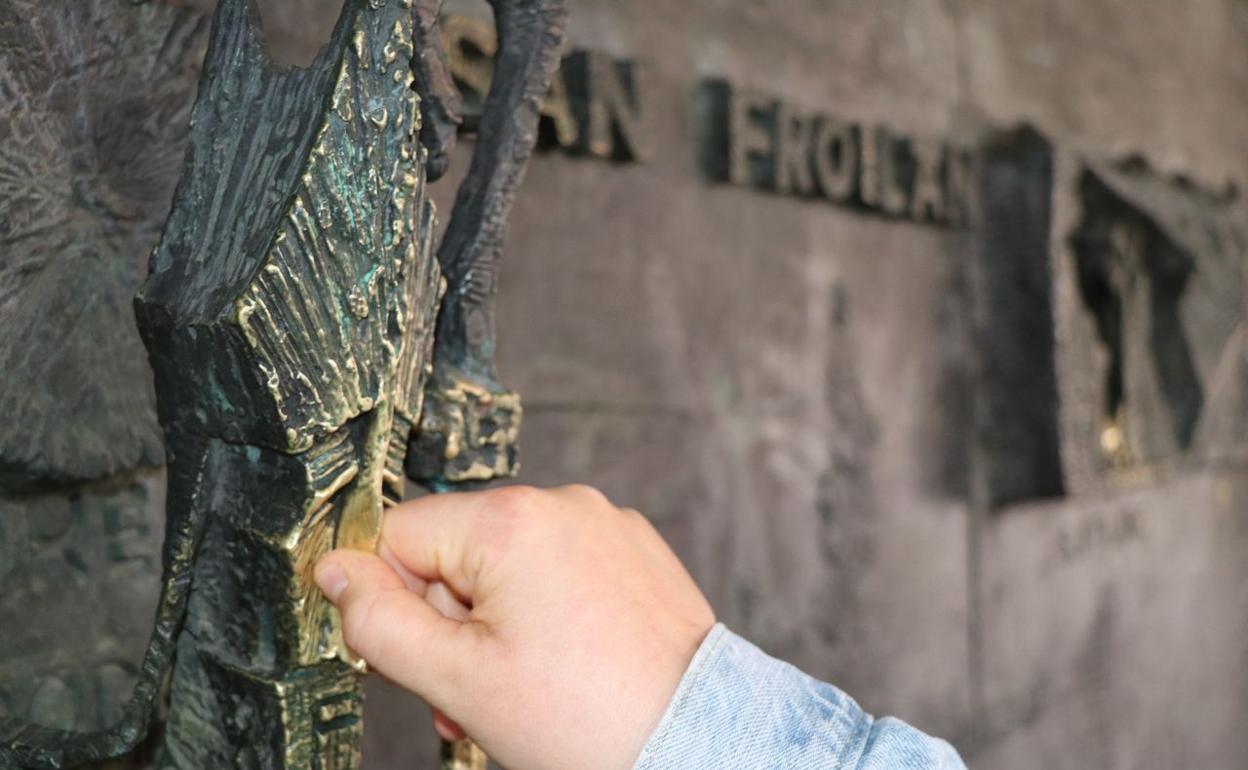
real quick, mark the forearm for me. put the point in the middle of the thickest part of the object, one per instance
(738, 707)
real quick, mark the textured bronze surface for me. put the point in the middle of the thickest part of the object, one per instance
(94, 105)
(467, 433)
(95, 99)
(289, 317)
(530, 35)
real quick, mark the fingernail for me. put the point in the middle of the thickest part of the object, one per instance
(332, 580)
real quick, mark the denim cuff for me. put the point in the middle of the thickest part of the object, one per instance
(738, 707)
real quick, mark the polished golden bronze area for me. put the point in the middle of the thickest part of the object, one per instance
(463, 755)
(467, 432)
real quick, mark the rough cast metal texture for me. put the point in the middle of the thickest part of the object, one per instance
(288, 316)
(301, 284)
(95, 100)
(471, 420)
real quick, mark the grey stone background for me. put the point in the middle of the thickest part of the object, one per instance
(784, 386)
(771, 380)
(777, 383)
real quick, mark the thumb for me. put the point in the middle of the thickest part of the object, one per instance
(396, 630)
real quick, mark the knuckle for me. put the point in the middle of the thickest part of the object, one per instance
(509, 512)
(591, 495)
(514, 504)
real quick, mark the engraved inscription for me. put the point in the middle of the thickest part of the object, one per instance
(753, 139)
(596, 105)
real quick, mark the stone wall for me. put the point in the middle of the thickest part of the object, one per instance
(813, 401)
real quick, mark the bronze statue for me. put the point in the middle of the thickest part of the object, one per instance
(289, 316)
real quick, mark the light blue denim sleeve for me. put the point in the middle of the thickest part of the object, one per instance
(737, 707)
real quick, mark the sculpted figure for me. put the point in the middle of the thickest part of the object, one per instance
(310, 351)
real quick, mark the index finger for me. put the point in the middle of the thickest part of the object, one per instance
(444, 537)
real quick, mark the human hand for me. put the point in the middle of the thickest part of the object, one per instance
(549, 624)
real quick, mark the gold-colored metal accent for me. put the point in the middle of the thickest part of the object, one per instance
(468, 431)
(321, 719)
(463, 755)
(1115, 444)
